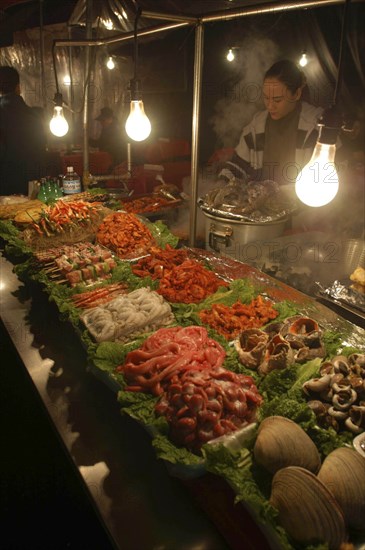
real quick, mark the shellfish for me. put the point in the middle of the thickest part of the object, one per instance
(251, 347)
(307, 509)
(343, 473)
(281, 442)
(279, 355)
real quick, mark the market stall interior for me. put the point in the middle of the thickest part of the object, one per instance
(220, 310)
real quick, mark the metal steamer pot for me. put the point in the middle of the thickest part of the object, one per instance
(227, 236)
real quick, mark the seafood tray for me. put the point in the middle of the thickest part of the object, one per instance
(150, 205)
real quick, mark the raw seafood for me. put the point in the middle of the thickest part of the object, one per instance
(200, 399)
(337, 396)
(230, 321)
(189, 282)
(128, 316)
(125, 234)
(159, 262)
(296, 340)
(99, 296)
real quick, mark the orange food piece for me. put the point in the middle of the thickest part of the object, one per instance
(189, 282)
(125, 234)
(231, 321)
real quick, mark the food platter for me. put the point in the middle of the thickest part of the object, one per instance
(146, 396)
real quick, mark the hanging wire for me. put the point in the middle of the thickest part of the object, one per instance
(138, 15)
(342, 52)
(54, 67)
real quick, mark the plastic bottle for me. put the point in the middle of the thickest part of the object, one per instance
(42, 193)
(71, 182)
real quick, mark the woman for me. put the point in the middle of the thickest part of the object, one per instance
(279, 141)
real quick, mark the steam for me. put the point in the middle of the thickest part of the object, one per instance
(236, 109)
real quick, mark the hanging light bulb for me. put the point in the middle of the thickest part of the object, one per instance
(317, 184)
(230, 55)
(58, 124)
(110, 63)
(137, 126)
(303, 61)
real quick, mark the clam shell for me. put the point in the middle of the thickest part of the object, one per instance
(307, 510)
(343, 473)
(281, 442)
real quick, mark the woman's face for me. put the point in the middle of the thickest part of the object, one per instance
(278, 99)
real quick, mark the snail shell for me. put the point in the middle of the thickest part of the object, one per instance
(343, 473)
(281, 442)
(307, 509)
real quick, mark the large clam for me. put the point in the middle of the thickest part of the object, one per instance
(307, 509)
(281, 442)
(343, 473)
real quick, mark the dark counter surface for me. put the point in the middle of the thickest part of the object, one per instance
(107, 483)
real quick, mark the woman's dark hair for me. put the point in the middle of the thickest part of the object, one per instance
(9, 79)
(288, 73)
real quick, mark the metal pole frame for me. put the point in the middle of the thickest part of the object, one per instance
(183, 21)
(198, 69)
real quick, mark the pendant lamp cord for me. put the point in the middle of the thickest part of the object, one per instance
(138, 14)
(342, 51)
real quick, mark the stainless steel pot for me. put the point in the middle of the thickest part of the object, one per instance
(228, 236)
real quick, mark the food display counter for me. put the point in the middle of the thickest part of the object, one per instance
(123, 478)
(188, 487)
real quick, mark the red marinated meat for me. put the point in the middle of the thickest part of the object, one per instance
(200, 399)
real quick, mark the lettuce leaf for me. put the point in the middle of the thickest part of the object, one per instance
(164, 235)
(166, 450)
(15, 245)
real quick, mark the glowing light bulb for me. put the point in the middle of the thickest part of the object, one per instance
(58, 124)
(110, 63)
(303, 60)
(67, 80)
(317, 183)
(138, 126)
(230, 55)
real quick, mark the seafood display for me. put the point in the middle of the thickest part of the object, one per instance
(179, 366)
(200, 399)
(80, 263)
(312, 507)
(343, 473)
(256, 201)
(189, 283)
(149, 203)
(298, 340)
(159, 262)
(64, 215)
(337, 397)
(230, 321)
(65, 222)
(125, 235)
(307, 509)
(99, 296)
(128, 316)
(281, 442)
